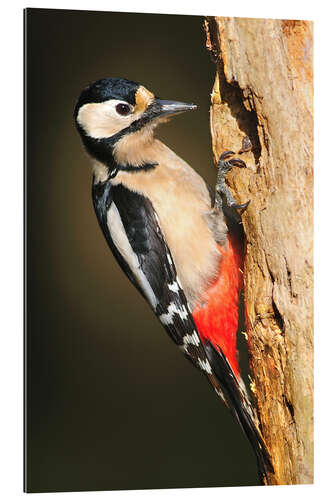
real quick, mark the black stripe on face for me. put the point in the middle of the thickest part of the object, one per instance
(152, 112)
(139, 168)
(102, 149)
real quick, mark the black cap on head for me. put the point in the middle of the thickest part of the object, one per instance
(107, 88)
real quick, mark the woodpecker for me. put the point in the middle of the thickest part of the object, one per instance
(178, 242)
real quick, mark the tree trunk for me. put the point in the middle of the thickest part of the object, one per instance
(263, 90)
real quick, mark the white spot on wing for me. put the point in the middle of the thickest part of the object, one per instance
(166, 318)
(119, 237)
(191, 339)
(174, 287)
(205, 366)
(169, 259)
(221, 395)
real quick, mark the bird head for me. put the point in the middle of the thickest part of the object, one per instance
(115, 107)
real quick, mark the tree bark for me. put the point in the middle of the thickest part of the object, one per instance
(263, 90)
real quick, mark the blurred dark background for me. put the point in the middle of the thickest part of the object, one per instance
(111, 402)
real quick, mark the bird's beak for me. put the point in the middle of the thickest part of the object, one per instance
(163, 108)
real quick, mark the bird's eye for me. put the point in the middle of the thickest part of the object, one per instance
(123, 109)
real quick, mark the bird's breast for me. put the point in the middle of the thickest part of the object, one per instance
(181, 201)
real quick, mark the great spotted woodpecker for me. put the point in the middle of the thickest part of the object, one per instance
(179, 244)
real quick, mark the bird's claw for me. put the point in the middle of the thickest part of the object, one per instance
(242, 206)
(225, 163)
(237, 162)
(225, 155)
(224, 196)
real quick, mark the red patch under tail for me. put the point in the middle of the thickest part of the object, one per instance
(216, 316)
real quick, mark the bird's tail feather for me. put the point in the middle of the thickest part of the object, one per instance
(236, 399)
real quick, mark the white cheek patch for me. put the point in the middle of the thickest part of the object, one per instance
(119, 238)
(101, 120)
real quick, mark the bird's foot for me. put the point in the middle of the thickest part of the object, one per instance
(223, 195)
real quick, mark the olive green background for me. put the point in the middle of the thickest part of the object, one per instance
(110, 401)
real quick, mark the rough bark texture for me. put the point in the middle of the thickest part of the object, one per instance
(263, 90)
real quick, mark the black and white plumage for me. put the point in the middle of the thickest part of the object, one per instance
(131, 228)
(156, 215)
